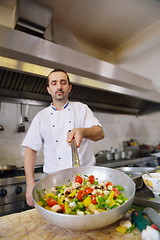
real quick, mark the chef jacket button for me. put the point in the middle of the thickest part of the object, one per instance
(53, 125)
(59, 158)
(51, 113)
(69, 121)
(56, 140)
(69, 109)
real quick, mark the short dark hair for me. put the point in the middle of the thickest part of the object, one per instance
(58, 70)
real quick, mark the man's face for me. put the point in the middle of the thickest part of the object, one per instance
(59, 87)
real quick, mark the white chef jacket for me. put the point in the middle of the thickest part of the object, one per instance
(49, 130)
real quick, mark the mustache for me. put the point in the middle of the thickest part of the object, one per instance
(59, 91)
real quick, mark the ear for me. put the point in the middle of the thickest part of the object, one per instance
(48, 90)
(70, 88)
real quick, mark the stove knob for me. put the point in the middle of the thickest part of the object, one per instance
(3, 192)
(18, 190)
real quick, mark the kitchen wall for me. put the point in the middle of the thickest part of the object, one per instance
(137, 56)
(146, 64)
(11, 151)
(117, 128)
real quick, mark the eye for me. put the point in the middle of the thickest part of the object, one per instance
(53, 82)
(64, 82)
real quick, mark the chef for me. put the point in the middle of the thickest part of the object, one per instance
(55, 127)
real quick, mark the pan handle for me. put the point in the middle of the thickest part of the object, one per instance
(75, 158)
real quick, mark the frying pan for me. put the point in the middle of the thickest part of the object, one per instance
(85, 222)
(5, 169)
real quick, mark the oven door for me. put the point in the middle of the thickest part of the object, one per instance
(14, 208)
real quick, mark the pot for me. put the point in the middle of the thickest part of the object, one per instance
(124, 154)
(117, 155)
(5, 169)
(109, 155)
(85, 222)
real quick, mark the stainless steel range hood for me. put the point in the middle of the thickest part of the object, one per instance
(27, 59)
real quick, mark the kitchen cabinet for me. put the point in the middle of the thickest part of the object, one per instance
(30, 225)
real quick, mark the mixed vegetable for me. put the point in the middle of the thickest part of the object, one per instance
(85, 195)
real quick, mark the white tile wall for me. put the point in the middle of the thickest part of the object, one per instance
(11, 151)
(117, 128)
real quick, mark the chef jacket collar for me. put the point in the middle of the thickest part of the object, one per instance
(65, 105)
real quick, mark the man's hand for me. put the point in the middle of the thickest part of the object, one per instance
(77, 134)
(29, 199)
(93, 133)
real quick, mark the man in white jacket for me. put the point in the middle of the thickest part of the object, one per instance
(55, 127)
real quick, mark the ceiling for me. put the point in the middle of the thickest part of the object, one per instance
(112, 25)
(109, 24)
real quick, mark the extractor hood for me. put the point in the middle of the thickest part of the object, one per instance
(27, 59)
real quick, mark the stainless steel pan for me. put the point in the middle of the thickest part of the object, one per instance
(5, 169)
(85, 222)
(136, 173)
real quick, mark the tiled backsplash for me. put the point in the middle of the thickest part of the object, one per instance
(117, 128)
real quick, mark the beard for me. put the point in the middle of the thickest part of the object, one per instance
(59, 95)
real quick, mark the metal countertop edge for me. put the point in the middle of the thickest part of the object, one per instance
(117, 163)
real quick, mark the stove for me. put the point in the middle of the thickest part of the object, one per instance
(13, 190)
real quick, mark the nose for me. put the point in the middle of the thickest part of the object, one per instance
(59, 85)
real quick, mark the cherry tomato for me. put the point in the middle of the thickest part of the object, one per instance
(79, 179)
(91, 179)
(109, 184)
(154, 226)
(51, 202)
(117, 193)
(100, 194)
(88, 190)
(81, 194)
(93, 199)
(63, 208)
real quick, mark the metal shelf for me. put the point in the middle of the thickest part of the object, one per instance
(127, 162)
